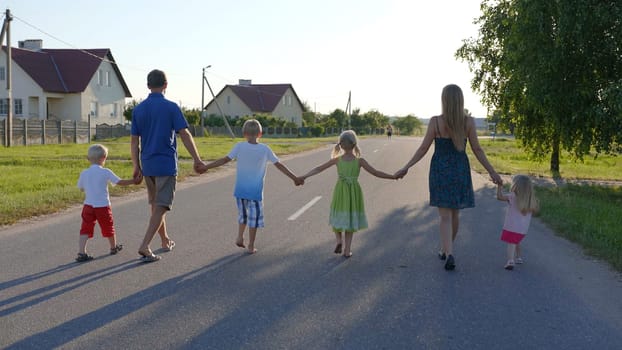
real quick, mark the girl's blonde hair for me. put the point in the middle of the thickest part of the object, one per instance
(453, 111)
(526, 199)
(347, 140)
(97, 152)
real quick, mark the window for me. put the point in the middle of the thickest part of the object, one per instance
(228, 100)
(287, 100)
(18, 109)
(4, 106)
(115, 110)
(94, 109)
(2, 73)
(99, 77)
(107, 78)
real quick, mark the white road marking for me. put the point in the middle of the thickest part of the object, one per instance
(304, 208)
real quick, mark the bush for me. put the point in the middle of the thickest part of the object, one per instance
(317, 130)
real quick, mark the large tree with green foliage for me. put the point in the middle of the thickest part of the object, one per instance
(408, 124)
(554, 70)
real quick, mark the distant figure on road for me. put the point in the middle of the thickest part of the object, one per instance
(451, 188)
(94, 183)
(155, 121)
(522, 203)
(252, 158)
(389, 131)
(347, 208)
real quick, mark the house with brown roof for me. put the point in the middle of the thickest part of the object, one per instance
(247, 99)
(63, 84)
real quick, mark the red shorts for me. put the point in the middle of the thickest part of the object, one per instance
(102, 215)
(511, 237)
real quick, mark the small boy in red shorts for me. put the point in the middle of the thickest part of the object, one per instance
(94, 183)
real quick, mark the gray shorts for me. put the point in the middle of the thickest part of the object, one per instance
(161, 190)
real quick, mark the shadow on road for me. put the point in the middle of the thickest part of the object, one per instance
(393, 293)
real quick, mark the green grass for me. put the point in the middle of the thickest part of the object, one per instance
(41, 179)
(507, 157)
(588, 215)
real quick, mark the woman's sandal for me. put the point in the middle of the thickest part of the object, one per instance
(116, 249)
(338, 248)
(450, 263)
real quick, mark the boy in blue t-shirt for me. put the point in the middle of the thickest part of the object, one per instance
(252, 158)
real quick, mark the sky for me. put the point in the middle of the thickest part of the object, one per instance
(394, 56)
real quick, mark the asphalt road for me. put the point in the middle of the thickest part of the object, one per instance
(295, 293)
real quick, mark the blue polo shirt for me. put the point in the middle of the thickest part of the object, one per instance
(155, 121)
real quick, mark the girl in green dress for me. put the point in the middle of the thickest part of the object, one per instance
(347, 208)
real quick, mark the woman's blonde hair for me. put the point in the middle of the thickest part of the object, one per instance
(453, 111)
(526, 200)
(97, 152)
(251, 127)
(347, 140)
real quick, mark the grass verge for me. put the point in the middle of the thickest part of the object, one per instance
(588, 215)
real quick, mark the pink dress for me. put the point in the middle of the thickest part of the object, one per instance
(516, 224)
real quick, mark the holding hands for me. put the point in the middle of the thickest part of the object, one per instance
(400, 173)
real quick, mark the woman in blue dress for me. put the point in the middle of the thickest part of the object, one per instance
(451, 188)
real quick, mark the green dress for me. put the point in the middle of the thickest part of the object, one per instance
(347, 209)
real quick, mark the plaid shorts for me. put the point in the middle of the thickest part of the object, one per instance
(250, 212)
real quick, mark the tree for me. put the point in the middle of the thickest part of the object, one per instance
(553, 69)
(193, 116)
(337, 119)
(308, 118)
(129, 108)
(408, 124)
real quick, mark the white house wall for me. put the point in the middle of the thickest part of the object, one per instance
(233, 107)
(63, 106)
(290, 112)
(23, 87)
(230, 104)
(106, 96)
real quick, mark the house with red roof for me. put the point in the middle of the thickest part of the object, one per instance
(247, 99)
(63, 84)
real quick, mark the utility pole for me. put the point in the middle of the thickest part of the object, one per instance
(203, 96)
(6, 30)
(349, 107)
(217, 105)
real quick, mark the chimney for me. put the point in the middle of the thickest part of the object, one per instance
(245, 82)
(31, 44)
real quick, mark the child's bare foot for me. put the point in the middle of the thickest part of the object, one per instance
(240, 243)
(251, 250)
(347, 255)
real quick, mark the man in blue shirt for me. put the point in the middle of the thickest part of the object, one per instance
(155, 121)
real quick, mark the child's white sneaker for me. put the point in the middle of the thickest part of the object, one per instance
(518, 260)
(509, 265)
